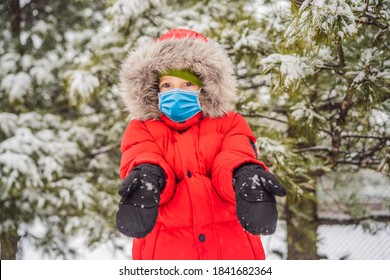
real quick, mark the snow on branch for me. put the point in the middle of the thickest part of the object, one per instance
(287, 70)
(81, 85)
(318, 20)
(16, 85)
(123, 11)
(369, 72)
(33, 154)
(302, 111)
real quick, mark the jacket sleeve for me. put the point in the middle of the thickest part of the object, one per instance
(138, 147)
(237, 148)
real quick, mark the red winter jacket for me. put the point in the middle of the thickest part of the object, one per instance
(197, 212)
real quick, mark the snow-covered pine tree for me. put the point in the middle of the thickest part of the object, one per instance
(328, 67)
(58, 155)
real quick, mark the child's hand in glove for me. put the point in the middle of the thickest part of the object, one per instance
(255, 198)
(140, 192)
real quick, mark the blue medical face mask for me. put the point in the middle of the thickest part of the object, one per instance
(179, 104)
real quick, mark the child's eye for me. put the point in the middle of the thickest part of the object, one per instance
(165, 85)
(188, 84)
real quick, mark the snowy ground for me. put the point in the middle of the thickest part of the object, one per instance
(336, 242)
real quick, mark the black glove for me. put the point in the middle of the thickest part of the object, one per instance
(255, 198)
(140, 192)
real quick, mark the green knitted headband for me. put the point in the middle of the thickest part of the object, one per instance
(184, 74)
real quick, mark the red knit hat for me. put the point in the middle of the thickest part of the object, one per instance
(182, 34)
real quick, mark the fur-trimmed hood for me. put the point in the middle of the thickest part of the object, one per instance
(139, 75)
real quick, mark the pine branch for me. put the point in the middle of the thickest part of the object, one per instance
(315, 148)
(365, 137)
(153, 23)
(329, 106)
(102, 150)
(367, 18)
(257, 115)
(371, 20)
(380, 34)
(353, 221)
(254, 86)
(295, 5)
(331, 67)
(251, 76)
(372, 164)
(364, 157)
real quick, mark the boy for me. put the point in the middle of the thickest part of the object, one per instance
(192, 188)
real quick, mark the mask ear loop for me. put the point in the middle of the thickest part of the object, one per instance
(200, 103)
(159, 102)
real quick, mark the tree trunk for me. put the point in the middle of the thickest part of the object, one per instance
(16, 17)
(302, 225)
(15, 12)
(9, 245)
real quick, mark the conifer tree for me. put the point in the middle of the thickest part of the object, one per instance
(56, 174)
(313, 83)
(329, 80)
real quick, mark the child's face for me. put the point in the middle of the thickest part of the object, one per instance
(171, 82)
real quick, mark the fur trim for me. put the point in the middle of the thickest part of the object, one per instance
(139, 75)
